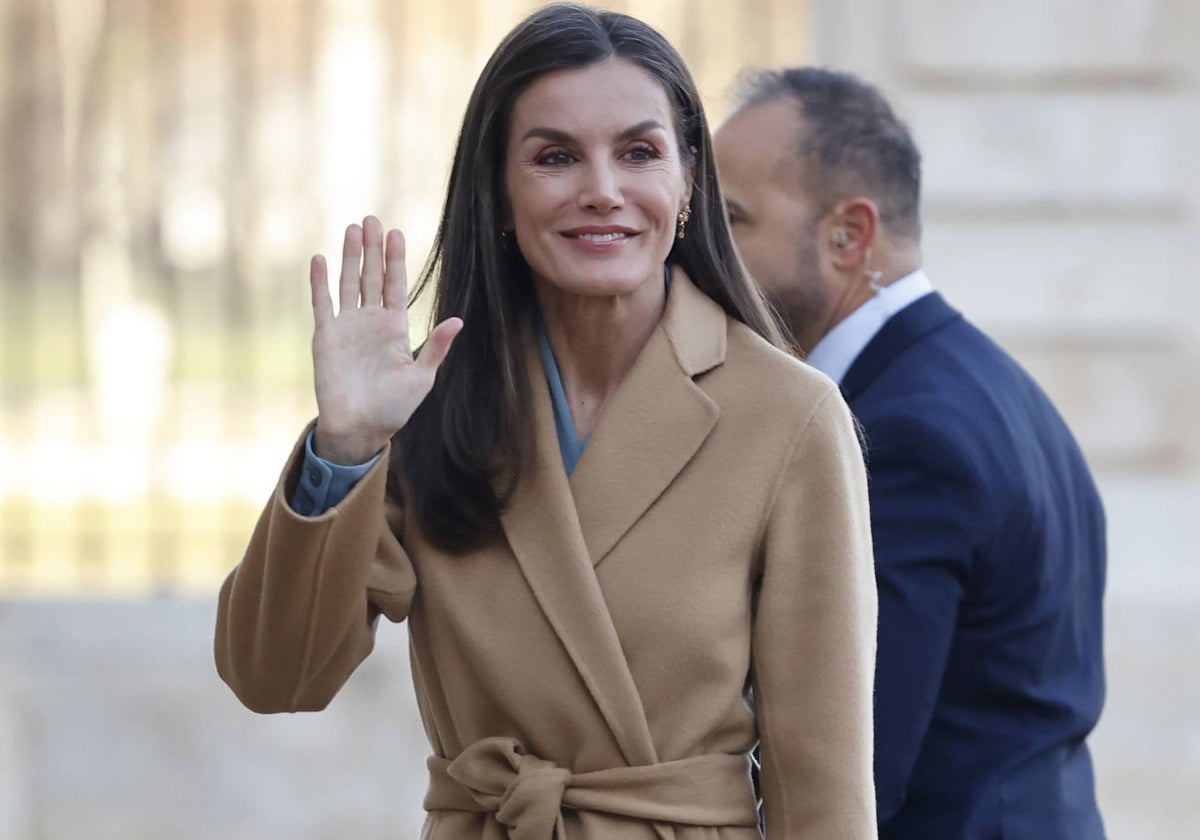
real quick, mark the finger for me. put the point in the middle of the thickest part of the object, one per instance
(434, 351)
(352, 249)
(395, 278)
(318, 280)
(372, 269)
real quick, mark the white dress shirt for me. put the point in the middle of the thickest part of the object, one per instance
(838, 349)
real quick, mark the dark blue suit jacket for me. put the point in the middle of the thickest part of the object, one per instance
(990, 560)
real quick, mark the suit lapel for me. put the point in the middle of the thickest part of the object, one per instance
(542, 528)
(654, 423)
(906, 327)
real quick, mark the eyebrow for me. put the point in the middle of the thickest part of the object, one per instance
(554, 135)
(730, 204)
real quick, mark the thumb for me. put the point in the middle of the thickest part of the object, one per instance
(434, 350)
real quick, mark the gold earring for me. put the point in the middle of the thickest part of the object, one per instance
(684, 215)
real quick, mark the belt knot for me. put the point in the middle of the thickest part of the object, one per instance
(525, 791)
(527, 794)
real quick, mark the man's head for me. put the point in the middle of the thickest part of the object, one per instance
(822, 183)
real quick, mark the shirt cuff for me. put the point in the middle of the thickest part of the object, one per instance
(322, 483)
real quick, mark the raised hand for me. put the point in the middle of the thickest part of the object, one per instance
(367, 382)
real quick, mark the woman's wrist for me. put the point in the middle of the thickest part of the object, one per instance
(347, 449)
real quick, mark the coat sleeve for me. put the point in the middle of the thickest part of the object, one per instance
(814, 639)
(297, 615)
(926, 510)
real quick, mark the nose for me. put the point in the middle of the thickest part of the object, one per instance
(601, 187)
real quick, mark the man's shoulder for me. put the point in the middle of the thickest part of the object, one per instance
(942, 396)
(954, 367)
(956, 399)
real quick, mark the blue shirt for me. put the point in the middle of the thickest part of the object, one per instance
(323, 483)
(838, 349)
(569, 443)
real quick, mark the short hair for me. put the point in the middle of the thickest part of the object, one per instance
(460, 449)
(852, 135)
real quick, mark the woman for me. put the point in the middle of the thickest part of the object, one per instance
(610, 509)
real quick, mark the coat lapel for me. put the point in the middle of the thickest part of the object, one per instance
(654, 423)
(542, 528)
(907, 326)
(559, 528)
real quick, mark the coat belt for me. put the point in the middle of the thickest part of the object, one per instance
(528, 794)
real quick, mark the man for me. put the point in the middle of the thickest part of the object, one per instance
(989, 534)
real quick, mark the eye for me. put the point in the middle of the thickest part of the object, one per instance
(642, 152)
(554, 157)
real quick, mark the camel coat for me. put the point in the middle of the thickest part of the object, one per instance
(586, 675)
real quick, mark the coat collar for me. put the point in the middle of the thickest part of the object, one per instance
(903, 329)
(559, 529)
(654, 422)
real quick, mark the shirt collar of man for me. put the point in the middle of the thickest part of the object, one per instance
(838, 349)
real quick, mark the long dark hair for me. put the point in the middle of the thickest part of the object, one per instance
(460, 449)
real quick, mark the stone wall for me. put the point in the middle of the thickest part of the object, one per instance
(1060, 193)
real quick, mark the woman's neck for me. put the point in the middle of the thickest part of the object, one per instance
(596, 341)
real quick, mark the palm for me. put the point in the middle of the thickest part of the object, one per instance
(367, 382)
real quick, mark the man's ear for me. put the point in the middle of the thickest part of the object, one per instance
(851, 228)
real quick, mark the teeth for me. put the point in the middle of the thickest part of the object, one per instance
(602, 237)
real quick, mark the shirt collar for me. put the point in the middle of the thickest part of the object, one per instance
(838, 349)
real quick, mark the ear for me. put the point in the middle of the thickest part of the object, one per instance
(850, 230)
(689, 179)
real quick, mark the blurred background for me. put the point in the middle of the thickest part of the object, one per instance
(168, 166)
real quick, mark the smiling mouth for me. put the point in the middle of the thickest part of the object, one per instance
(599, 237)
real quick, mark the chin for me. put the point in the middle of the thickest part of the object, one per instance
(611, 281)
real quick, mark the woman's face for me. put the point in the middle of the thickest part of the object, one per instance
(595, 178)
